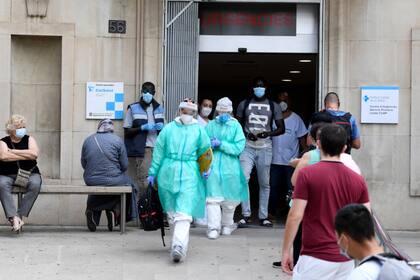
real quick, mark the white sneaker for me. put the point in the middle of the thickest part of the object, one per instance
(176, 254)
(17, 224)
(213, 234)
(229, 229)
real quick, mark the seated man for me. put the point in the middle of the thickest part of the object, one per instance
(104, 160)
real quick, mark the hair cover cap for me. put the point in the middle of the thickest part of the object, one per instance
(224, 105)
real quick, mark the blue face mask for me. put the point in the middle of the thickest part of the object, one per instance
(224, 118)
(147, 97)
(259, 91)
(20, 132)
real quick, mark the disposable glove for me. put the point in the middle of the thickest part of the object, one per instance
(206, 174)
(158, 126)
(215, 143)
(150, 180)
(148, 127)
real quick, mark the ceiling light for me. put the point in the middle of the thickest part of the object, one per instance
(305, 60)
(286, 80)
(294, 72)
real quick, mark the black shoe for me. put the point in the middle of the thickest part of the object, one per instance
(90, 221)
(244, 222)
(111, 219)
(266, 223)
(277, 264)
(165, 221)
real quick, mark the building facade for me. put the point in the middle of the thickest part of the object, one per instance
(50, 50)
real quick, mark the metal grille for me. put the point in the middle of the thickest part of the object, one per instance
(181, 61)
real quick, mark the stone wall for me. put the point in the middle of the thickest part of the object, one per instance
(370, 43)
(87, 52)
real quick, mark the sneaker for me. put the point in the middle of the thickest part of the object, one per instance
(176, 254)
(17, 224)
(266, 223)
(213, 234)
(90, 221)
(277, 264)
(245, 221)
(229, 229)
(111, 219)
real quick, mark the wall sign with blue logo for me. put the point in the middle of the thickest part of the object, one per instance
(104, 100)
(380, 104)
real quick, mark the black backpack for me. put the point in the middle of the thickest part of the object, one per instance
(343, 121)
(151, 212)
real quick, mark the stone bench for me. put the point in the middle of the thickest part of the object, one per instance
(95, 190)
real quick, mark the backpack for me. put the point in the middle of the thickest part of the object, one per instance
(343, 121)
(393, 268)
(247, 101)
(151, 212)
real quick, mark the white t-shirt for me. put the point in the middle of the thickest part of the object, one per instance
(367, 271)
(201, 121)
(286, 146)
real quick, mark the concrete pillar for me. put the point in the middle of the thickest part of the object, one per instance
(415, 121)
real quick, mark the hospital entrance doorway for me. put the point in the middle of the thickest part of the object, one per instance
(232, 74)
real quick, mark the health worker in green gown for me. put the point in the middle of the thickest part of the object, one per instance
(174, 166)
(226, 186)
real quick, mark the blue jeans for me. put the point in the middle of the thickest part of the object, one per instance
(280, 182)
(261, 158)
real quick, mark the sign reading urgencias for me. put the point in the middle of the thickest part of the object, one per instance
(250, 19)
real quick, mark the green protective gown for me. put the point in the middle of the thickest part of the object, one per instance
(227, 180)
(174, 164)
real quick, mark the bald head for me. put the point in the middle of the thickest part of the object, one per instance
(332, 101)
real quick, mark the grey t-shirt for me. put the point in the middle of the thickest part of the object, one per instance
(151, 135)
(257, 119)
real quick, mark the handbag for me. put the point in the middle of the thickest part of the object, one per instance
(22, 176)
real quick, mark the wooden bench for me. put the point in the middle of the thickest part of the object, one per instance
(95, 190)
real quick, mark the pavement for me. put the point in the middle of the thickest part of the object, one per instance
(74, 253)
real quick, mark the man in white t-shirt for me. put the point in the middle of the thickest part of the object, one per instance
(356, 238)
(285, 148)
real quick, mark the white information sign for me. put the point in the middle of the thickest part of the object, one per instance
(104, 100)
(380, 104)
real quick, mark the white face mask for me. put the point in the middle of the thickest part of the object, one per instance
(205, 111)
(186, 119)
(283, 106)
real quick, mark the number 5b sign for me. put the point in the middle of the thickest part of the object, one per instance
(117, 26)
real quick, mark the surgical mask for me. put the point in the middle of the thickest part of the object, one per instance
(147, 97)
(186, 119)
(283, 106)
(259, 91)
(20, 132)
(344, 252)
(205, 111)
(224, 118)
